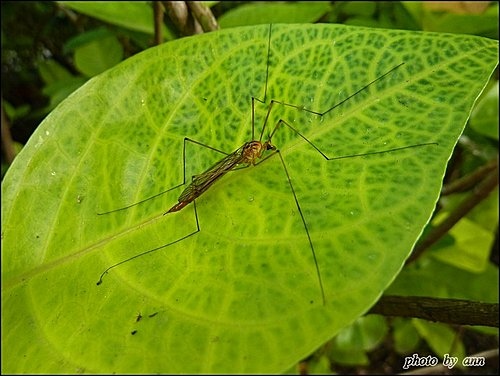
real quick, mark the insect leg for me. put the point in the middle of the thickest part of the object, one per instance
(186, 139)
(154, 249)
(281, 121)
(263, 101)
(319, 113)
(318, 273)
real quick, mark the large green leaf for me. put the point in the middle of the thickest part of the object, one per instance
(242, 295)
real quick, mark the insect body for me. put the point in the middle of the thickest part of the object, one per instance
(246, 154)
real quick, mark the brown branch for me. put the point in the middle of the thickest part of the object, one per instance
(204, 16)
(479, 193)
(158, 21)
(470, 180)
(179, 14)
(450, 311)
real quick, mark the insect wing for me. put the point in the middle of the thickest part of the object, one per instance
(204, 180)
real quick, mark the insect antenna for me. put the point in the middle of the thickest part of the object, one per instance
(263, 101)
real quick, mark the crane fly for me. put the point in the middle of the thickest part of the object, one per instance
(247, 154)
(252, 153)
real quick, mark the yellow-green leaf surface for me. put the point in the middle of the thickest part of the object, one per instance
(242, 295)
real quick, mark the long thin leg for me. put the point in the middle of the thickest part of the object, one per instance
(318, 273)
(343, 100)
(186, 139)
(273, 101)
(155, 249)
(281, 121)
(318, 113)
(263, 101)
